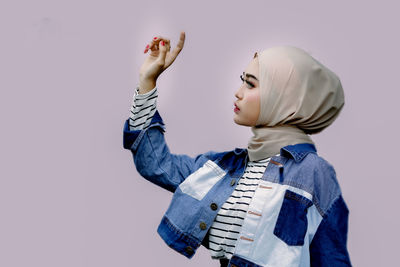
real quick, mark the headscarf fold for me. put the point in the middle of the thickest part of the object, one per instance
(298, 97)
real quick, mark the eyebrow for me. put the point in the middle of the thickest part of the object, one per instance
(250, 75)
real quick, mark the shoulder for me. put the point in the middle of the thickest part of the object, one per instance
(219, 156)
(320, 166)
(324, 183)
(228, 159)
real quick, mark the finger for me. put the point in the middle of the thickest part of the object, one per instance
(151, 44)
(179, 46)
(146, 48)
(167, 44)
(163, 52)
(154, 44)
(177, 49)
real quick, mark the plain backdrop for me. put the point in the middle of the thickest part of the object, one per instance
(70, 194)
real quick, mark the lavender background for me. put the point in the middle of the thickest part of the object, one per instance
(70, 194)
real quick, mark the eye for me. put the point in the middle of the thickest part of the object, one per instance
(249, 84)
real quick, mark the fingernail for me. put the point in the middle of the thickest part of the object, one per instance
(155, 38)
(162, 43)
(147, 46)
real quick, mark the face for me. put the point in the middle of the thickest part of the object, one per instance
(247, 104)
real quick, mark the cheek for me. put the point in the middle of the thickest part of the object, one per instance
(254, 105)
(254, 100)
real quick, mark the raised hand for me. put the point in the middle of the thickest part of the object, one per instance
(159, 59)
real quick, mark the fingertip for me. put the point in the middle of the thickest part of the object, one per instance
(162, 47)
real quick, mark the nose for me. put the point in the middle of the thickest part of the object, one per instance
(238, 93)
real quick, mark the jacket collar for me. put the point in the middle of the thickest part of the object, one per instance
(298, 151)
(239, 150)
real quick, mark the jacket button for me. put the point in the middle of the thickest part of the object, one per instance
(189, 250)
(203, 226)
(214, 206)
(233, 182)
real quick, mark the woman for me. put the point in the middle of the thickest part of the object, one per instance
(276, 203)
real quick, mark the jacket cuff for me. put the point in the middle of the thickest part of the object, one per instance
(131, 139)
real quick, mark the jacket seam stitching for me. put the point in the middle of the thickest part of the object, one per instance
(314, 199)
(158, 162)
(138, 139)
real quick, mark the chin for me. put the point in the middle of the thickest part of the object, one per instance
(240, 122)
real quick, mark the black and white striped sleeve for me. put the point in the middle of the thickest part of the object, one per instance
(143, 109)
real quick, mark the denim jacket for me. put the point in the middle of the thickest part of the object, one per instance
(297, 216)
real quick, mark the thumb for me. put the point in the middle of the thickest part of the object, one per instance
(163, 53)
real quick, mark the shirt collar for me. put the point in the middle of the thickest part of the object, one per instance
(298, 151)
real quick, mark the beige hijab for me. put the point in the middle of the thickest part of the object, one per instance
(299, 96)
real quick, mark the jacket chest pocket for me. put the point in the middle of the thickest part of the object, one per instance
(291, 225)
(201, 181)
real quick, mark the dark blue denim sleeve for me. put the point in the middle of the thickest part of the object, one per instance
(153, 159)
(328, 247)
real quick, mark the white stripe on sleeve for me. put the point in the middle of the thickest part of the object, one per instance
(143, 109)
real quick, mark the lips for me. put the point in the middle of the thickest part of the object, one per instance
(236, 108)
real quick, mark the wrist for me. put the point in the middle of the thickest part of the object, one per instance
(146, 85)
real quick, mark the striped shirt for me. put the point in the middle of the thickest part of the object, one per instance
(143, 109)
(226, 227)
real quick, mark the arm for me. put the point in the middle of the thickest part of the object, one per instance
(328, 247)
(152, 156)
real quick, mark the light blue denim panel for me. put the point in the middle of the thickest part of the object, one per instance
(200, 182)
